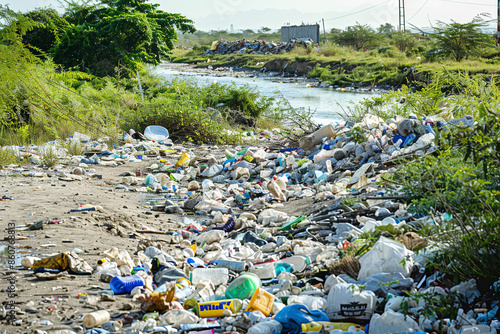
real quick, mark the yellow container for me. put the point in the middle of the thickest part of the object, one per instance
(216, 308)
(317, 326)
(261, 301)
(182, 160)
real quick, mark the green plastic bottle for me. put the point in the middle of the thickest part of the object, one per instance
(293, 224)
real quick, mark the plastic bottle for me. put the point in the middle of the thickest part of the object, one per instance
(112, 326)
(144, 325)
(181, 294)
(229, 154)
(266, 327)
(217, 276)
(288, 226)
(237, 266)
(207, 185)
(95, 319)
(121, 285)
(264, 271)
(165, 329)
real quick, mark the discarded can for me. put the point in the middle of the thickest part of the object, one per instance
(138, 172)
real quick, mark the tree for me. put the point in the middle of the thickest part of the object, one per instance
(359, 36)
(405, 41)
(264, 30)
(117, 34)
(461, 40)
(386, 29)
(49, 31)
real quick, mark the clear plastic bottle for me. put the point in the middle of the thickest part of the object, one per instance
(266, 327)
(112, 326)
(147, 325)
(217, 276)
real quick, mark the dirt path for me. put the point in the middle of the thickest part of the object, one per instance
(49, 198)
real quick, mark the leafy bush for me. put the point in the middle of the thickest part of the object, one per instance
(182, 119)
(462, 181)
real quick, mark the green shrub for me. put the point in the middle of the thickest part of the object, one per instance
(183, 120)
(462, 181)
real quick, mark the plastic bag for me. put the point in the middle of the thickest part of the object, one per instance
(386, 256)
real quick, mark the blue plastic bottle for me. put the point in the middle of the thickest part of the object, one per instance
(125, 284)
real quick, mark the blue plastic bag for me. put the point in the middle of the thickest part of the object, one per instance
(293, 316)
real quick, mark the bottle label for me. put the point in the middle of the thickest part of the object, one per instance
(214, 309)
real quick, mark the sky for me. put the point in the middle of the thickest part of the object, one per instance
(243, 14)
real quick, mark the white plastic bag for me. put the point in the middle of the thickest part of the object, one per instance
(387, 256)
(392, 322)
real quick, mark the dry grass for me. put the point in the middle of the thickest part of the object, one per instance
(413, 241)
(348, 265)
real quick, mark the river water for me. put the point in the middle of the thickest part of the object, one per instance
(326, 102)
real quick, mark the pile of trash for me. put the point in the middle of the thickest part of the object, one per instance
(237, 262)
(255, 47)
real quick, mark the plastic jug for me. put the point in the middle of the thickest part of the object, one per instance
(347, 302)
(244, 286)
(216, 308)
(293, 316)
(125, 284)
(261, 301)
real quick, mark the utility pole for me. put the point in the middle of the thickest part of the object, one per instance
(324, 31)
(402, 19)
(498, 30)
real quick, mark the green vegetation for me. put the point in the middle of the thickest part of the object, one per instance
(42, 100)
(77, 72)
(360, 55)
(460, 40)
(107, 38)
(460, 181)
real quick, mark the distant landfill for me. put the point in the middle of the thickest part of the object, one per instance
(255, 47)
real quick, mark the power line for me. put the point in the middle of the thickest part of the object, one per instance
(359, 11)
(418, 11)
(469, 3)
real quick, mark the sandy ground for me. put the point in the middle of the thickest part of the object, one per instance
(49, 198)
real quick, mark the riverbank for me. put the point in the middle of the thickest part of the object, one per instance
(342, 68)
(326, 104)
(214, 69)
